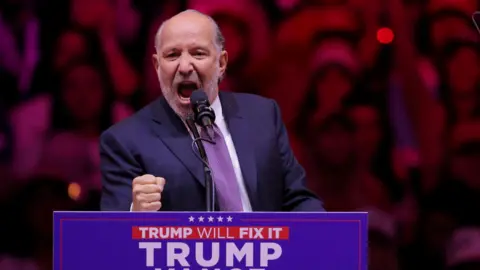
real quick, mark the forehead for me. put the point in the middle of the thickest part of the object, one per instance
(185, 30)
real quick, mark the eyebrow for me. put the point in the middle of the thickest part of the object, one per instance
(202, 46)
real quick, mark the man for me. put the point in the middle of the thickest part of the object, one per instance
(148, 162)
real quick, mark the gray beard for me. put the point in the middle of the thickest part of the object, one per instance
(182, 112)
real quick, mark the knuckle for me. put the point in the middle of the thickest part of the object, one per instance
(135, 181)
(139, 189)
(148, 197)
(142, 179)
(149, 189)
(148, 177)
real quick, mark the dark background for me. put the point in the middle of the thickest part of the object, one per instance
(380, 98)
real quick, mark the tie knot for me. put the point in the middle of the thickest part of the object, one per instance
(211, 133)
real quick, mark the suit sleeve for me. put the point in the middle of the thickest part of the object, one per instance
(118, 168)
(296, 196)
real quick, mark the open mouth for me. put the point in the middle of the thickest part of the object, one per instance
(185, 90)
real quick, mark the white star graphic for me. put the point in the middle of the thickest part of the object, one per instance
(201, 219)
(229, 219)
(210, 219)
(191, 219)
(220, 219)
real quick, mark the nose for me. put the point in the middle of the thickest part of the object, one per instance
(185, 67)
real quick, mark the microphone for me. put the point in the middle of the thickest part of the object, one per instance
(204, 116)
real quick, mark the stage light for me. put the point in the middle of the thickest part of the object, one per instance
(385, 35)
(74, 191)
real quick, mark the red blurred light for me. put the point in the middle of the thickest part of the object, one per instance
(385, 35)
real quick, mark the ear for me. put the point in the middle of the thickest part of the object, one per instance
(223, 62)
(155, 61)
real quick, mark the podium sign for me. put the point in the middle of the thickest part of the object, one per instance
(210, 241)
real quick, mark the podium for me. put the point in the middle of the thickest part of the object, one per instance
(210, 241)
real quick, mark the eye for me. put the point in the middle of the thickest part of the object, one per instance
(172, 55)
(199, 54)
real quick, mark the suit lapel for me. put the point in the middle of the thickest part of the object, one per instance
(241, 136)
(173, 132)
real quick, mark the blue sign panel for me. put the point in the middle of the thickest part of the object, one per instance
(210, 241)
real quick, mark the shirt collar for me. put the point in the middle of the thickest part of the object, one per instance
(217, 108)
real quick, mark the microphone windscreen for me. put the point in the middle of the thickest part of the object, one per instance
(198, 96)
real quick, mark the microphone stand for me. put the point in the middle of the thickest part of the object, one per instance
(209, 184)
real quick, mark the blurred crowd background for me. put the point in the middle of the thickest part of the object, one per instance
(380, 97)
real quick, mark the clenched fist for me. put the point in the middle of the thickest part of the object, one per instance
(147, 193)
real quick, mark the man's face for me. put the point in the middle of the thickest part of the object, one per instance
(187, 59)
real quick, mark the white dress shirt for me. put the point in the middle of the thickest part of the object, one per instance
(222, 125)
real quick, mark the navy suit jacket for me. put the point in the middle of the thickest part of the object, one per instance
(155, 141)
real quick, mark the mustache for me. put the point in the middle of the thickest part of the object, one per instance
(191, 78)
(194, 78)
(184, 81)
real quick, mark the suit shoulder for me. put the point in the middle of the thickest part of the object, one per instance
(133, 123)
(257, 108)
(254, 100)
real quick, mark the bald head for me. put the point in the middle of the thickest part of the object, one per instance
(189, 55)
(193, 16)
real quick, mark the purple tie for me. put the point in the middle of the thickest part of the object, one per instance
(228, 193)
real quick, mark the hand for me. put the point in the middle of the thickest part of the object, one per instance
(147, 193)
